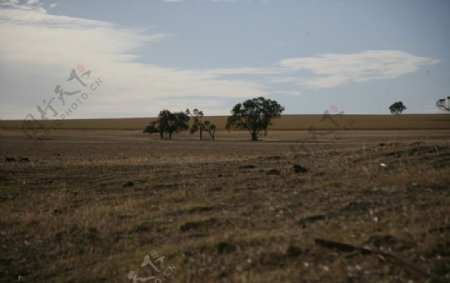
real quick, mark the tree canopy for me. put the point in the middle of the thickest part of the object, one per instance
(254, 115)
(397, 108)
(199, 125)
(169, 123)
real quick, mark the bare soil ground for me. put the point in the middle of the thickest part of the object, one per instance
(88, 206)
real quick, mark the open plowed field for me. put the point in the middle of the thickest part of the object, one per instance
(120, 206)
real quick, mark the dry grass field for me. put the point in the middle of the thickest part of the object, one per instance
(339, 206)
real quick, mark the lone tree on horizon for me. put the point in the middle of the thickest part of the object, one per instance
(397, 108)
(169, 123)
(254, 115)
(443, 104)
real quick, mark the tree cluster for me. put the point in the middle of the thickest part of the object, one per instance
(254, 115)
(168, 123)
(397, 108)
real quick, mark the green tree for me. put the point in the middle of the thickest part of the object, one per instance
(397, 108)
(199, 125)
(169, 123)
(443, 104)
(210, 128)
(254, 115)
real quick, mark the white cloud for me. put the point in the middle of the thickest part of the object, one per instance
(334, 70)
(13, 2)
(29, 15)
(244, 71)
(9, 2)
(34, 41)
(338, 69)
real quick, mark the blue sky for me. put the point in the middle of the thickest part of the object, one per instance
(360, 56)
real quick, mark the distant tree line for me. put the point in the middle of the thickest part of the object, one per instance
(442, 104)
(254, 115)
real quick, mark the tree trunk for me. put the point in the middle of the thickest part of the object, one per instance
(254, 136)
(201, 133)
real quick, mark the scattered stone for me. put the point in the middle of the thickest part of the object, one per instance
(274, 157)
(311, 219)
(247, 166)
(389, 241)
(300, 169)
(200, 208)
(187, 253)
(273, 259)
(24, 159)
(293, 251)
(422, 150)
(128, 184)
(191, 225)
(440, 229)
(382, 240)
(417, 143)
(225, 247)
(273, 172)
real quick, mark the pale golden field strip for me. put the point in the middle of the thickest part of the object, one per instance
(286, 122)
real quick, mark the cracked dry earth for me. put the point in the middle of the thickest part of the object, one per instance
(88, 206)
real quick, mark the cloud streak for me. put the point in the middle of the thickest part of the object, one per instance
(333, 70)
(58, 43)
